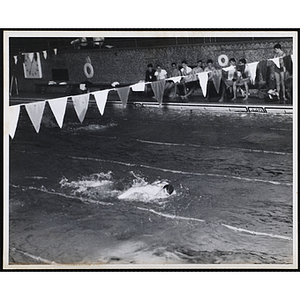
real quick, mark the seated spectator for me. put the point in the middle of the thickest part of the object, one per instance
(227, 79)
(186, 72)
(171, 84)
(241, 78)
(160, 73)
(192, 82)
(149, 78)
(150, 73)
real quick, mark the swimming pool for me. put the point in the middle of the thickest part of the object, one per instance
(232, 172)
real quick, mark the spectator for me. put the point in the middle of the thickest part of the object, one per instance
(241, 78)
(227, 79)
(192, 82)
(160, 73)
(149, 78)
(280, 72)
(171, 84)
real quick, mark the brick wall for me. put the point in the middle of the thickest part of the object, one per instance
(129, 65)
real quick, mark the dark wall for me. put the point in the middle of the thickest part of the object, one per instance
(129, 65)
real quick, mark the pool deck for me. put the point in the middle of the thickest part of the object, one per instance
(254, 104)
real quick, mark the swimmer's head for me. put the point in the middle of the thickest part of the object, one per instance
(168, 188)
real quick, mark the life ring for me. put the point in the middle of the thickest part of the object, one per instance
(88, 70)
(223, 60)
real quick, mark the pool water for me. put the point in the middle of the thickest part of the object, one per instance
(232, 173)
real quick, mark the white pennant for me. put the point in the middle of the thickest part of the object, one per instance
(35, 112)
(252, 69)
(45, 54)
(203, 78)
(101, 98)
(16, 59)
(81, 103)
(276, 61)
(31, 55)
(12, 119)
(55, 51)
(58, 107)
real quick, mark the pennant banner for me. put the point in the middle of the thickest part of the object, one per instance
(101, 98)
(58, 107)
(35, 112)
(158, 90)
(81, 103)
(175, 79)
(45, 54)
(203, 79)
(276, 61)
(216, 79)
(13, 114)
(123, 93)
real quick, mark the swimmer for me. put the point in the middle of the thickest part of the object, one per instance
(155, 190)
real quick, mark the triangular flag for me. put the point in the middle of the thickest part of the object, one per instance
(58, 107)
(252, 69)
(276, 61)
(101, 98)
(123, 93)
(16, 59)
(31, 55)
(55, 51)
(203, 79)
(45, 54)
(81, 103)
(158, 90)
(12, 119)
(138, 87)
(292, 57)
(35, 112)
(175, 79)
(216, 79)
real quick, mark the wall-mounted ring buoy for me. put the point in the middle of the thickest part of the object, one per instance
(88, 70)
(223, 60)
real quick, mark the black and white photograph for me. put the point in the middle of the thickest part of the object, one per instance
(150, 149)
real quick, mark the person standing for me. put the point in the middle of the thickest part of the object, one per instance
(280, 72)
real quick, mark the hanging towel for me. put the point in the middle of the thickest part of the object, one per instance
(216, 78)
(101, 98)
(12, 119)
(45, 54)
(123, 93)
(81, 103)
(203, 78)
(263, 68)
(276, 61)
(158, 90)
(252, 67)
(138, 87)
(35, 112)
(175, 79)
(58, 107)
(287, 60)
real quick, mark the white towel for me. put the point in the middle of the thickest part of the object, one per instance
(203, 78)
(12, 119)
(81, 103)
(175, 79)
(138, 87)
(35, 112)
(58, 107)
(101, 98)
